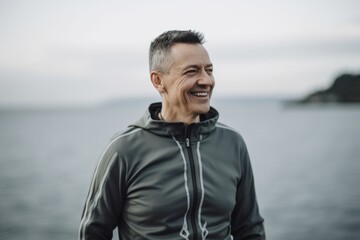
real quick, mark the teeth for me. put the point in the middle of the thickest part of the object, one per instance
(199, 94)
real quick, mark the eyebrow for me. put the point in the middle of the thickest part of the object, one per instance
(198, 66)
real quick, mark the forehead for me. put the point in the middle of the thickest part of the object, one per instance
(182, 55)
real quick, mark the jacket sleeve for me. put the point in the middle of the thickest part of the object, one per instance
(246, 222)
(103, 204)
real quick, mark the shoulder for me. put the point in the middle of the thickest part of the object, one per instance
(125, 134)
(228, 130)
(230, 136)
(125, 137)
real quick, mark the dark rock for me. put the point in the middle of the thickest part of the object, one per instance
(345, 89)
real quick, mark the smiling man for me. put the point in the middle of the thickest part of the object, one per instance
(186, 82)
(177, 173)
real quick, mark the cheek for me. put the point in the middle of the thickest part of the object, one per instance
(184, 88)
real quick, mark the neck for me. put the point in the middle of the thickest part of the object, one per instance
(172, 116)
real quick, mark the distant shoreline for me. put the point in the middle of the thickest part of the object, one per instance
(345, 89)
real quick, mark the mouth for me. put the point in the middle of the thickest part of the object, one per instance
(200, 94)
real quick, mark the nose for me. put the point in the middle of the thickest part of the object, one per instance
(206, 78)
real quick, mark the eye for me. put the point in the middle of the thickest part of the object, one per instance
(209, 71)
(191, 72)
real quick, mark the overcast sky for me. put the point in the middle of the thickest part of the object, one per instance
(72, 52)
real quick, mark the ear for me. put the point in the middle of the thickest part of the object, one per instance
(157, 81)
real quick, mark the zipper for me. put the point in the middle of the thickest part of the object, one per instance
(194, 182)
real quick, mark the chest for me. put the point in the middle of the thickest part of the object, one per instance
(164, 185)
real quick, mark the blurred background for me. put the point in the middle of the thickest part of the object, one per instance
(72, 73)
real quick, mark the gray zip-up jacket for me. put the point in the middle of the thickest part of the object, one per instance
(160, 180)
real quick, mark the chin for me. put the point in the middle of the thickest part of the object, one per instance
(202, 109)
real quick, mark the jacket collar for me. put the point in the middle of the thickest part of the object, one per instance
(178, 130)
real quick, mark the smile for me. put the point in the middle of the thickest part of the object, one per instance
(200, 94)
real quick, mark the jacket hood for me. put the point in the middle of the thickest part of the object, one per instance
(178, 130)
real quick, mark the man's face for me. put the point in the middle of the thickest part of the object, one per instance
(189, 82)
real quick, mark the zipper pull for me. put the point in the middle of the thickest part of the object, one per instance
(187, 140)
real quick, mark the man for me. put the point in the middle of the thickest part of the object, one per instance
(176, 173)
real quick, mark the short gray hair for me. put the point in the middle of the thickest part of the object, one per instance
(159, 48)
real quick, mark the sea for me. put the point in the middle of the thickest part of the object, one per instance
(305, 158)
